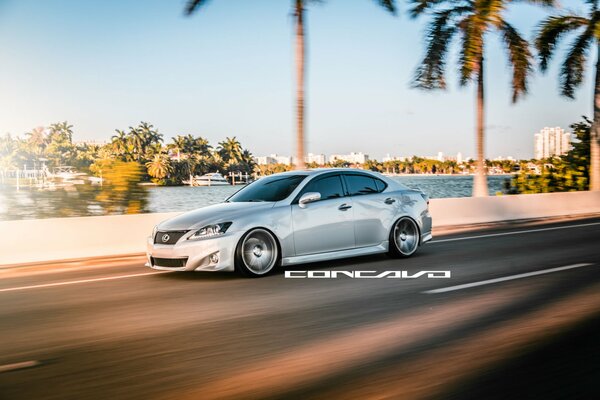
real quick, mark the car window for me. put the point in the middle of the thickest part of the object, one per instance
(361, 184)
(269, 188)
(381, 185)
(330, 187)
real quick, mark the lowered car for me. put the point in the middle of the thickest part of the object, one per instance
(292, 218)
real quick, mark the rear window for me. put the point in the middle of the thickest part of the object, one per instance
(363, 184)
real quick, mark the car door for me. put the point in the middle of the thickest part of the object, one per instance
(374, 210)
(325, 225)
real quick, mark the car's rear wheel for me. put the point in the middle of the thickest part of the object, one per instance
(257, 253)
(404, 238)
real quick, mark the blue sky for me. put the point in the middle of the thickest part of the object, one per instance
(228, 71)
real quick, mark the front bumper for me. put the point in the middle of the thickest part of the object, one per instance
(194, 255)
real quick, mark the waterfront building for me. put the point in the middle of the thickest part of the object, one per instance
(352, 158)
(550, 142)
(394, 158)
(272, 159)
(318, 159)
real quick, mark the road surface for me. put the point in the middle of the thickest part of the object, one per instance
(518, 318)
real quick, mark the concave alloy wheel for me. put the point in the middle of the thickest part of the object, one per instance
(405, 237)
(257, 253)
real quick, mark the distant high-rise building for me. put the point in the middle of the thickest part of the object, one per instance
(353, 158)
(272, 159)
(318, 159)
(550, 142)
(459, 158)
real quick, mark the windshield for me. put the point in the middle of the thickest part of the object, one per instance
(270, 188)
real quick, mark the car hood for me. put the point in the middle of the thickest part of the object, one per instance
(222, 212)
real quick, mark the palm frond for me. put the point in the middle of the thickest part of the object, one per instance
(547, 3)
(419, 7)
(520, 59)
(389, 5)
(193, 5)
(471, 54)
(573, 68)
(430, 73)
(550, 32)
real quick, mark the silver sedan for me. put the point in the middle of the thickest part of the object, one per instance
(292, 218)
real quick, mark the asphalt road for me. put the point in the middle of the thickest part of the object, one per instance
(510, 322)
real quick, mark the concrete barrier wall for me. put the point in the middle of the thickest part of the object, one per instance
(31, 241)
(478, 210)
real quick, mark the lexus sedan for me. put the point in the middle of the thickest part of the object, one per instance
(292, 218)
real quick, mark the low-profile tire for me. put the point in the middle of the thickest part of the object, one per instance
(404, 238)
(257, 253)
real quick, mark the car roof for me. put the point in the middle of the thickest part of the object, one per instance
(318, 171)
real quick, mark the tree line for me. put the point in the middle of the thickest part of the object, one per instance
(139, 151)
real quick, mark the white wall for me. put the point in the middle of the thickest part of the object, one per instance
(66, 238)
(78, 237)
(477, 210)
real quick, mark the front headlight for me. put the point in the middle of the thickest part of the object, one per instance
(210, 231)
(154, 230)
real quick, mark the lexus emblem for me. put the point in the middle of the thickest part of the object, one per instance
(165, 238)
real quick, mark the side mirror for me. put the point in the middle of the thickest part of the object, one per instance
(309, 198)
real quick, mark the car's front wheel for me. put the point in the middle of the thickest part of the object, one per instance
(257, 253)
(404, 238)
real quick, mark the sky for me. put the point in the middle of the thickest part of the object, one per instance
(228, 70)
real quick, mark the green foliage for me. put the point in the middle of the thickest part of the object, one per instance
(552, 29)
(567, 173)
(469, 21)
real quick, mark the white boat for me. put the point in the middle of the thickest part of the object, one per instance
(210, 179)
(66, 173)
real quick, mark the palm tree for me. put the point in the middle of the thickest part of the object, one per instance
(120, 144)
(159, 166)
(471, 20)
(230, 150)
(299, 14)
(178, 145)
(573, 67)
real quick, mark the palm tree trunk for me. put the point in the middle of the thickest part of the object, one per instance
(480, 181)
(300, 84)
(595, 133)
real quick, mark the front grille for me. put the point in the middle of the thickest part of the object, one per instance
(171, 237)
(169, 262)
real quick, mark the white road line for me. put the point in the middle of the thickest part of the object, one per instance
(108, 278)
(19, 365)
(505, 278)
(513, 233)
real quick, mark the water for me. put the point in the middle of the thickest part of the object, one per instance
(85, 200)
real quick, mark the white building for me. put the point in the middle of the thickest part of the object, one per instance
(352, 158)
(318, 159)
(459, 158)
(394, 158)
(272, 159)
(550, 142)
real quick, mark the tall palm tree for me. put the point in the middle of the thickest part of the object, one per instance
(178, 144)
(230, 150)
(299, 15)
(471, 20)
(573, 67)
(120, 143)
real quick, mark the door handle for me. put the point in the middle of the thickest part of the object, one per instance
(344, 207)
(389, 200)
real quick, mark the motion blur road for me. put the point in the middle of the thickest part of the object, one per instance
(112, 329)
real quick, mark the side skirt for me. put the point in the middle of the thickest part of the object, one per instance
(334, 255)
